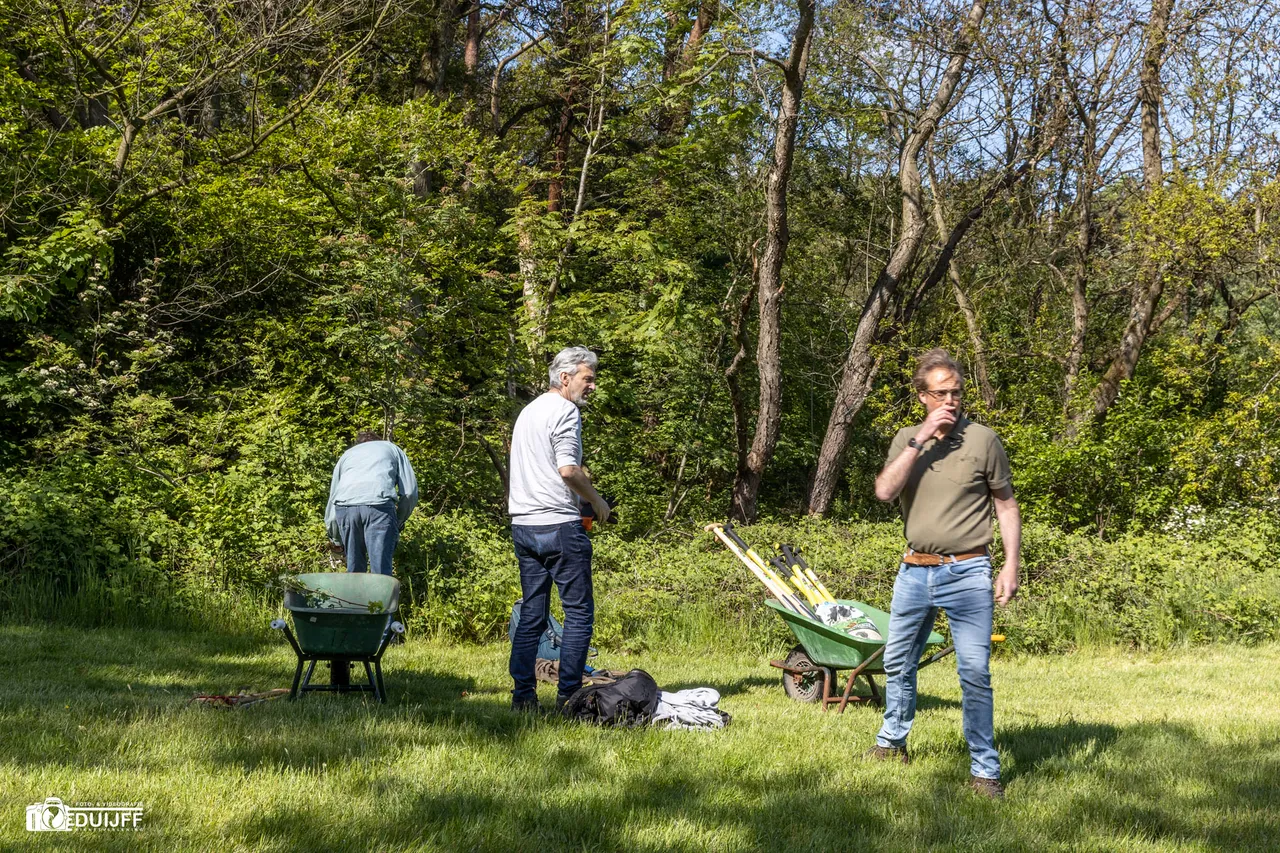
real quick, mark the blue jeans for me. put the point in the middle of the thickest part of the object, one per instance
(559, 553)
(369, 536)
(963, 590)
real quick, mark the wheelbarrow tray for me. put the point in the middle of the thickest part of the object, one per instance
(342, 614)
(833, 648)
(344, 618)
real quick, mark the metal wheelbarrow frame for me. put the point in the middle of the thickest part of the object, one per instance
(344, 618)
(824, 651)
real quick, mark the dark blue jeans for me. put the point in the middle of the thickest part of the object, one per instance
(369, 536)
(559, 553)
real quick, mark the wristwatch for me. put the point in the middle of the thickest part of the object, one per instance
(911, 442)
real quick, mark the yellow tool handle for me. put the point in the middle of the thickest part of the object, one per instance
(778, 580)
(804, 587)
(817, 583)
(779, 592)
(768, 570)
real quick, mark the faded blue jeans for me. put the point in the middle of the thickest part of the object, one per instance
(369, 536)
(963, 590)
(559, 553)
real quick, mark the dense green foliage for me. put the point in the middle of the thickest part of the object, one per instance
(1197, 579)
(231, 234)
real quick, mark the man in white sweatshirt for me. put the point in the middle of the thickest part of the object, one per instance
(547, 480)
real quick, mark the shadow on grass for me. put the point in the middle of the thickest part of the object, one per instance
(520, 783)
(666, 807)
(669, 805)
(728, 688)
(1077, 787)
(1160, 780)
(1045, 749)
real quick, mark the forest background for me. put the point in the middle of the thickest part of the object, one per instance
(233, 232)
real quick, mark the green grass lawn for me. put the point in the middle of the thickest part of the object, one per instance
(1108, 750)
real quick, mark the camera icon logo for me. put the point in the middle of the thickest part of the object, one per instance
(49, 816)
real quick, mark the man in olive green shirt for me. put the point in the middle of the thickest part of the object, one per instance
(948, 474)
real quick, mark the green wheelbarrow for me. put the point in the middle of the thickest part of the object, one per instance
(343, 617)
(809, 670)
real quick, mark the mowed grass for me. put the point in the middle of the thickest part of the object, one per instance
(1107, 750)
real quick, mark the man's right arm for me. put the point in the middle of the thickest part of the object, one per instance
(578, 481)
(894, 476)
(331, 509)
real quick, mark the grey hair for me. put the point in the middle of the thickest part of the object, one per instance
(568, 360)
(931, 361)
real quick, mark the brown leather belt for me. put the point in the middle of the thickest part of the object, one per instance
(919, 558)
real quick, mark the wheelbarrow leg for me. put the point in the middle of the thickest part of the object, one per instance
(373, 685)
(848, 687)
(306, 679)
(828, 678)
(382, 688)
(875, 691)
(297, 678)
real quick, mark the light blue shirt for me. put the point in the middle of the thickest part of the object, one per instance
(368, 474)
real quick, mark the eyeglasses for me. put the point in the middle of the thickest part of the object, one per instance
(944, 393)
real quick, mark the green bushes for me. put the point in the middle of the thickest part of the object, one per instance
(72, 550)
(1199, 580)
(459, 577)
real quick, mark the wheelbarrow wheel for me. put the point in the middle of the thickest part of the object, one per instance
(804, 686)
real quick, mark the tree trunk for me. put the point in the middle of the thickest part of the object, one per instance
(982, 374)
(746, 487)
(471, 57)
(970, 315)
(860, 366)
(677, 60)
(1150, 282)
(733, 373)
(560, 153)
(1080, 280)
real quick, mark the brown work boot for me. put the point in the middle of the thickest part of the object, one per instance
(547, 670)
(990, 788)
(888, 753)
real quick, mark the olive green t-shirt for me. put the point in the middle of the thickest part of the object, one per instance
(946, 502)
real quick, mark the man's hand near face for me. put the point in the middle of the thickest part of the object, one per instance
(941, 419)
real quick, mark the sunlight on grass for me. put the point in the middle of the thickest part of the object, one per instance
(1102, 750)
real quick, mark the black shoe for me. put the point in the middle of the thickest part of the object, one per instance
(526, 706)
(888, 753)
(990, 788)
(561, 699)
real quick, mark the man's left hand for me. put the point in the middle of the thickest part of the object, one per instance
(1006, 584)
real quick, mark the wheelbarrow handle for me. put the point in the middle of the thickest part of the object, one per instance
(281, 625)
(392, 629)
(937, 656)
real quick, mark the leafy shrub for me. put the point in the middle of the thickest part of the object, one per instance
(73, 549)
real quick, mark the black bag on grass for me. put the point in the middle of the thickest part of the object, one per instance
(630, 701)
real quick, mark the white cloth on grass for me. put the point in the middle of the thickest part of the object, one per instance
(694, 708)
